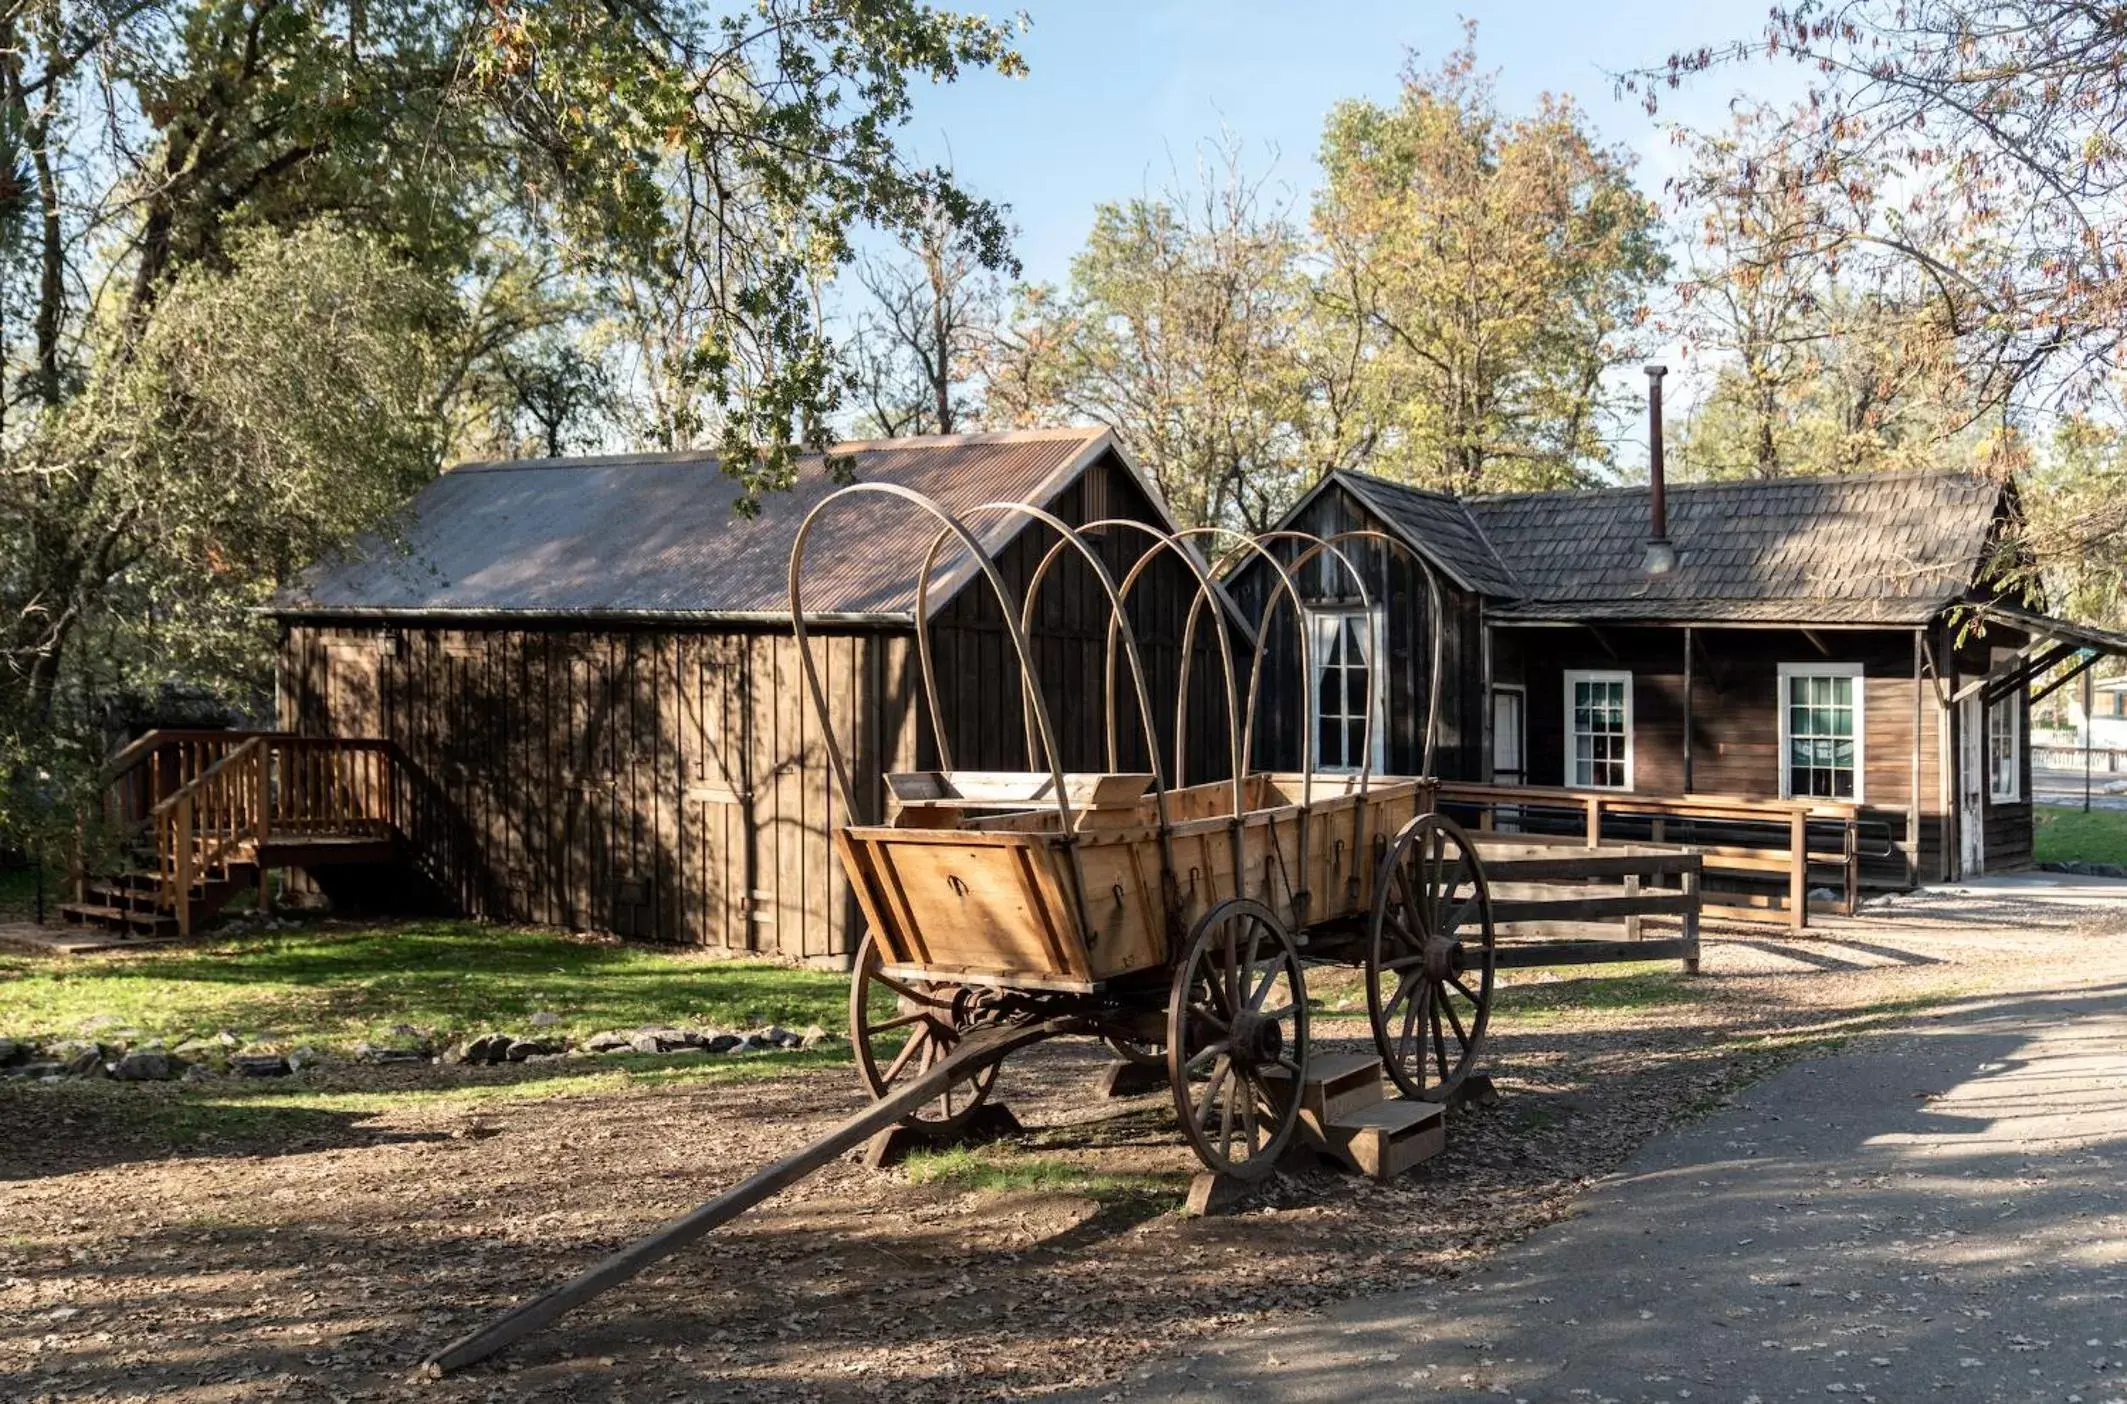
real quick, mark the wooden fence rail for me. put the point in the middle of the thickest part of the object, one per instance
(1806, 826)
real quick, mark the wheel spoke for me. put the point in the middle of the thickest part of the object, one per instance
(899, 1022)
(1261, 992)
(1440, 1042)
(1219, 1074)
(1404, 962)
(1447, 1007)
(917, 1042)
(1467, 992)
(1212, 1051)
(1204, 1012)
(906, 991)
(1251, 1127)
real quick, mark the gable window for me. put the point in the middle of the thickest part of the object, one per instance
(2004, 770)
(1599, 730)
(1821, 731)
(1348, 689)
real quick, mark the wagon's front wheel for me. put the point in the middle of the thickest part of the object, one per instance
(1430, 958)
(1237, 1039)
(901, 1028)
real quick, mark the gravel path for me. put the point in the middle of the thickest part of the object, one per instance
(1941, 1216)
(317, 1251)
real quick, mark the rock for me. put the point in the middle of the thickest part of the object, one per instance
(522, 1048)
(144, 1065)
(305, 1057)
(377, 1053)
(199, 1072)
(258, 1065)
(645, 1043)
(815, 1036)
(210, 1053)
(776, 1036)
(611, 1041)
(721, 1042)
(12, 1052)
(77, 1057)
(488, 1048)
(751, 1043)
(41, 1068)
(545, 1020)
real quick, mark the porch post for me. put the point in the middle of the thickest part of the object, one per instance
(1688, 785)
(1912, 808)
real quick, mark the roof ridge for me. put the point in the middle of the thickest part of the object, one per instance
(661, 457)
(1756, 484)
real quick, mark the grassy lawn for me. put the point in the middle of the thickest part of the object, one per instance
(2061, 835)
(333, 986)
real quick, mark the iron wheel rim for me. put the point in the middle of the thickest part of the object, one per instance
(1431, 959)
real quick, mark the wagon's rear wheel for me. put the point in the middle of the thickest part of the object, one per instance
(1237, 1039)
(901, 1028)
(1430, 958)
(1130, 1050)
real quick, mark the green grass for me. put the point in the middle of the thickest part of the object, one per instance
(333, 986)
(270, 1112)
(2061, 835)
(989, 1168)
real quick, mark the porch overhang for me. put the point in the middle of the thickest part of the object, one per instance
(2053, 642)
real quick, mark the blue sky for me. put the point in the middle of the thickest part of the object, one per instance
(1120, 94)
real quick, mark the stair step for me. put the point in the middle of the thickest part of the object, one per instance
(92, 914)
(1336, 1084)
(1383, 1140)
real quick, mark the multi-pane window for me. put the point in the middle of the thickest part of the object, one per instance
(1820, 730)
(1599, 730)
(1345, 692)
(2004, 771)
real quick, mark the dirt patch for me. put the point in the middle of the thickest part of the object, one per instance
(321, 1259)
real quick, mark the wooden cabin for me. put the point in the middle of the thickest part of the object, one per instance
(586, 668)
(1831, 643)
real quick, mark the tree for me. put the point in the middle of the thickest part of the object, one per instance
(1978, 142)
(1183, 330)
(165, 154)
(917, 346)
(1494, 266)
(1823, 361)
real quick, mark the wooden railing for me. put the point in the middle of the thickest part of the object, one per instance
(1804, 823)
(209, 824)
(206, 801)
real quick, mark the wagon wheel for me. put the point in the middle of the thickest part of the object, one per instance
(901, 1028)
(1430, 958)
(1237, 1038)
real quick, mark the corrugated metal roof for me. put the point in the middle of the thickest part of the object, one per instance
(1890, 548)
(655, 534)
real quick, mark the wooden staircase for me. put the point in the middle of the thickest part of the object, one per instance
(197, 817)
(1346, 1112)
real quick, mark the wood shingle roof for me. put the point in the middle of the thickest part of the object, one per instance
(1890, 548)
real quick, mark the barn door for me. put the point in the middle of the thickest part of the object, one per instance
(353, 695)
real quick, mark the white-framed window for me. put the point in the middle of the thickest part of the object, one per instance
(1821, 731)
(2005, 778)
(1598, 730)
(1349, 689)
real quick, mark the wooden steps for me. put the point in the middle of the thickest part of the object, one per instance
(1346, 1112)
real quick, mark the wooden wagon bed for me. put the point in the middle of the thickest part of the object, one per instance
(972, 881)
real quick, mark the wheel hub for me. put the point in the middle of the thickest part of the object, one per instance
(1256, 1040)
(1443, 959)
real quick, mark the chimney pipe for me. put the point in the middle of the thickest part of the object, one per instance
(1661, 556)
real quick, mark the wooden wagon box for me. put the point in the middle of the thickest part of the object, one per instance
(973, 881)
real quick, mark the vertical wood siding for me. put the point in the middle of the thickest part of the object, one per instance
(671, 784)
(1734, 710)
(1398, 588)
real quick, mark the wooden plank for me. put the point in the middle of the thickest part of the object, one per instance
(1519, 911)
(1520, 955)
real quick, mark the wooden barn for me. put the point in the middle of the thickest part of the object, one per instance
(586, 670)
(1821, 653)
